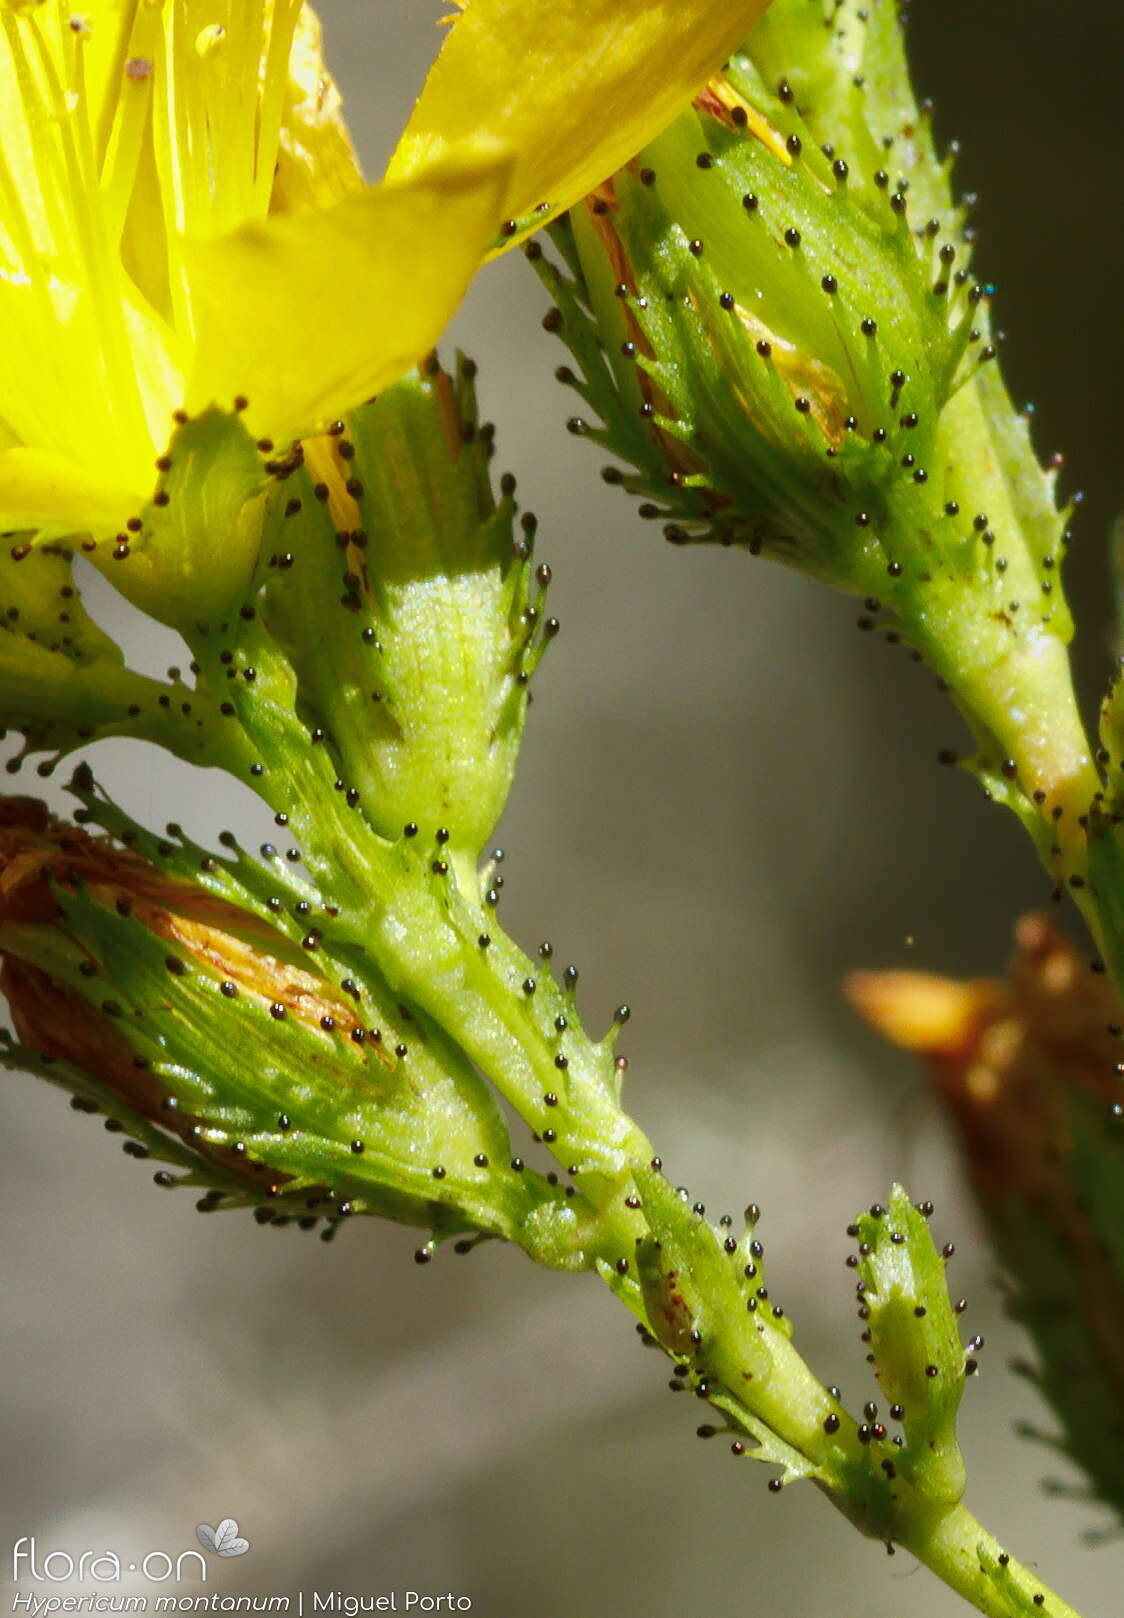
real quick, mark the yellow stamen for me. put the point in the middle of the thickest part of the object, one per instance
(721, 100)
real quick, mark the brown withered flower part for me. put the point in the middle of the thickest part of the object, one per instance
(1007, 1057)
(1023, 1065)
(42, 858)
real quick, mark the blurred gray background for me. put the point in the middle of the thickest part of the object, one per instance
(728, 797)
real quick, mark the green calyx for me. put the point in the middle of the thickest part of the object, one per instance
(778, 329)
(190, 554)
(411, 613)
(789, 324)
(288, 1067)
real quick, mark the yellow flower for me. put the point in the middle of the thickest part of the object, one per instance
(183, 226)
(574, 87)
(182, 223)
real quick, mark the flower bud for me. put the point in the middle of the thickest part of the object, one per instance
(689, 1283)
(778, 329)
(1030, 1070)
(781, 319)
(279, 1075)
(918, 1356)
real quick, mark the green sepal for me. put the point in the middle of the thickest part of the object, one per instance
(918, 1357)
(778, 331)
(847, 68)
(429, 619)
(269, 888)
(223, 1188)
(40, 600)
(89, 1095)
(190, 554)
(765, 1444)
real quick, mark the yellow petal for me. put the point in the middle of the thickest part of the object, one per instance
(308, 314)
(316, 162)
(920, 1012)
(575, 87)
(56, 497)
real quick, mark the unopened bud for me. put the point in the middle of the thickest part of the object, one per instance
(779, 330)
(918, 1356)
(783, 320)
(690, 1285)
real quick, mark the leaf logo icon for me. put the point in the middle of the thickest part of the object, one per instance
(223, 1540)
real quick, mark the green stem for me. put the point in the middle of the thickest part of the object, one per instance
(752, 1374)
(972, 1562)
(393, 885)
(426, 933)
